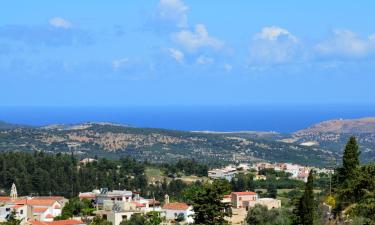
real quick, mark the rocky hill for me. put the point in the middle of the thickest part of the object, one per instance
(160, 145)
(343, 126)
(333, 135)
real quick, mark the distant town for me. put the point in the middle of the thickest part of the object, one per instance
(117, 206)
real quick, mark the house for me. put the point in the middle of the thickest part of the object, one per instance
(119, 205)
(172, 211)
(243, 199)
(225, 173)
(42, 208)
(22, 212)
(153, 205)
(260, 177)
(116, 211)
(118, 195)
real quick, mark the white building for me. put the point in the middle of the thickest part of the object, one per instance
(225, 173)
(172, 211)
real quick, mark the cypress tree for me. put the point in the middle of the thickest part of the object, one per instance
(350, 160)
(305, 210)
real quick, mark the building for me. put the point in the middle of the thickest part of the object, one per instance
(243, 199)
(43, 208)
(119, 205)
(116, 211)
(115, 195)
(225, 173)
(172, 211)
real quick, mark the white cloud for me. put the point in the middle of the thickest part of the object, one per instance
(274, 33)
(60, 23)
(274, 45)
(345, 43)
(204, 60)
(372, 37)
(199, 38)
(176, 54)
(172, 11)
(118, 63)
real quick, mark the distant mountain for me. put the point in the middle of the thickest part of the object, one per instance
(333, 135)
(4, 125)
(161, 145)
(341, 126)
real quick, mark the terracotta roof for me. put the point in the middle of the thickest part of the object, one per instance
(57, 206)
(57, 222)
(49, 216)
(39, 210)
(4, 198)
(176, 206)
(16, 206)
(87, 195)
(139, 204)
(227, 196)
(36, 201)
(244, 193)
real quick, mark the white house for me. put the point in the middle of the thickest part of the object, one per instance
(172, 211)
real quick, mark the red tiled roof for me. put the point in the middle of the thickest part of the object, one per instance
(87, 195)
(226, 196)
(39, 210)
(4, 198)
(57, 222)
(244, 193)
(36, 201)
(139, 204)
(176, 206)
(16, 206)
(57, 206)
(49, 216)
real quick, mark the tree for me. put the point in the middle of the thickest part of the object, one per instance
(12, 220)
(207, 205)
(100, 221)
(260, 215)
(136, 219)
(271, 190)
(305, 211)
(151, 218)
(350, 160)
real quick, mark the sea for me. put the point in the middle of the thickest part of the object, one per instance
(277, 118)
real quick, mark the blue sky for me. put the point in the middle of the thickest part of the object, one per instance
(174, 52)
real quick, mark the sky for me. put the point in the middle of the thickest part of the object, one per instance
(181, 52)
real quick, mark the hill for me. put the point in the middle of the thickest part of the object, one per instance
(5, 125)
(160, 145)
(333, 135)
(343, 126)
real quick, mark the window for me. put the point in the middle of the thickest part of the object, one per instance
(105, 217)
(124, 217)
(7, 209)
(21, 211)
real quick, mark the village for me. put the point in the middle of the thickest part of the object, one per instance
(116, 206)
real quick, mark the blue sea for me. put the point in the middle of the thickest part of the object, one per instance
(279, 118)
